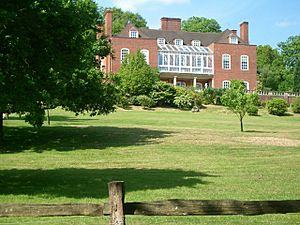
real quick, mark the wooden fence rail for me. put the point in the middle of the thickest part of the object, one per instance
(117, 209)
(36, 210)
(159, 208)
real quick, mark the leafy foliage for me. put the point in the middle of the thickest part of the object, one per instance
(47, 58)
(145, 101)
(277, 106)
(290, 51)
(296, 105)
(200, 24)
(279, 70)
(252, 110)
(121, 18)
(163, 94)
(136, 77)
(270, 68)
(213, 95)
(237, 100)
(187, 98)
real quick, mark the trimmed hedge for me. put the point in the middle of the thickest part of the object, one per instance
(277, 106)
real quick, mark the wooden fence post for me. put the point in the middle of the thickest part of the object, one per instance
(116, 200)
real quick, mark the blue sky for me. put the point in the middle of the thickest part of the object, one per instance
(270, 22)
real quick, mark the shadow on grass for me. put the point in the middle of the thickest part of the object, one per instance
(92, 183)
(260, 131)
(62, 138)
(54, 118)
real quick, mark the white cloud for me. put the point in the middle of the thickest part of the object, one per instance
(285, 23)
(133, 5)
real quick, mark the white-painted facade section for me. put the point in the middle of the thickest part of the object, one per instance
(185, 59)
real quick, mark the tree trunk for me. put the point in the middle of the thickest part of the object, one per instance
(48, 117)
(1, 126)
(242, 127)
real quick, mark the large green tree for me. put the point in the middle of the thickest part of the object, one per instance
(279, 69)
(136, 77)
(121, 18)
(47, 58)
(290, 51)
(200, 24)
(238, 101)
(270, 68)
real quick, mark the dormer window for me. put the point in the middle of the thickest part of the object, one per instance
(133, 34)
(161, 41)
(178, 42)
(233, 40)
(196, 43)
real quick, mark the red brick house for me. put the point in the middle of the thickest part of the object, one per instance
(186, 58)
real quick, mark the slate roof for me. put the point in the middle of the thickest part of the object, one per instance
(187, 37)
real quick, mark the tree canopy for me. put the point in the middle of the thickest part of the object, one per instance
(279, 69)
(200, 24)
(121, 18)
(47, 58)
(136, 77)
(269, 67)
(290, 51)
(238, 101)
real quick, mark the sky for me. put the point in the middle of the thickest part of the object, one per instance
(270, 21)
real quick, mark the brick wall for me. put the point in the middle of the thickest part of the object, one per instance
(170, 24)
(235, 73)
(133, 44)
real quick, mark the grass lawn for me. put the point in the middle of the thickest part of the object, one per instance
(160, 154)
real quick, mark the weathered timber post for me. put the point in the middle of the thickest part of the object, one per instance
(116, 200)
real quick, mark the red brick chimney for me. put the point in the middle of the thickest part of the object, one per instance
(244, 32)
(108, 23)
(170, 24)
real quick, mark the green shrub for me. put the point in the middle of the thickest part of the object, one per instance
(296, 105)
(252, 110)
(187, 98)
(254, 99)
(213, 96)
(145, 101)
(133, 100)
(183, 102)
(197, 99)
(123, 102)
(163, 94)
(277, 106)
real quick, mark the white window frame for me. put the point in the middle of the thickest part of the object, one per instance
(244, 62)
(133, 34)
(123, 54)
(178, 42)
(226, 84)
(246, 83)
(224, 65)
(233, 40)
(145, 52)
(161, 41)
(196, 43)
